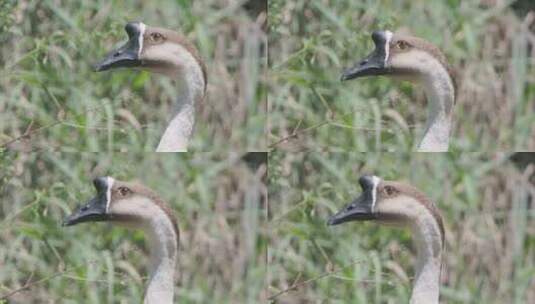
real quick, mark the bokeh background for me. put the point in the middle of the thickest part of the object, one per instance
(219, 202)
(50, 99)
(489, 43)
(487, 202)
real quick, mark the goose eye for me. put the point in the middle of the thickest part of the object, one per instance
(123, 191)
(402, 45)
(389, 190)
(156, 37)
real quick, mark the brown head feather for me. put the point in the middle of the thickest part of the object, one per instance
(411, 191)
(421, 44)
(178, 39)
(139, 189)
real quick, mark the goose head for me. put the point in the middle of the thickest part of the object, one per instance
(127, 204)
(399, 56)
(389, 202)
(156, 50)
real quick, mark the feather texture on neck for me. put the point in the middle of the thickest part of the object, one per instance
(188, 74)
(427, 235)
(424, 68)
(162, 236)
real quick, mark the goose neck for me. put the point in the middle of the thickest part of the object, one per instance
(439, 90)
(178, 132)
(163, 257)
(429, 258)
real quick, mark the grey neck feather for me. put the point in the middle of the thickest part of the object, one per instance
(178, 133)
(427, 278)
(440, 95)
(188, 75)
(164, 250)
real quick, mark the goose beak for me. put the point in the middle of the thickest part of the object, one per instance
(375, 63)
(361, 208)
(95, 209)
(126, 56)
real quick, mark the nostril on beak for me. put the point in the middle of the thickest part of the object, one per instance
(363, 62)
(117, 54)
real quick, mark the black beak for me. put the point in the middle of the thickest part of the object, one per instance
(360, 209)
(95, 209)
(126, 56)
(374, 64)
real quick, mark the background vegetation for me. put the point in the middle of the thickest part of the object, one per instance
(50, 99)
(219, 203)
(490, 44)
(488, 209)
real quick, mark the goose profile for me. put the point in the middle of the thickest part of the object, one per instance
(166, 52)
(416, 60)
(133, 205)
(399, 204)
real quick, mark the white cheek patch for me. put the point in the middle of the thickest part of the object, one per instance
(375, 180)
(142, 28)
(388, 35)
(109, 182)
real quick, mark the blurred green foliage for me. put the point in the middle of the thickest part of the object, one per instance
(6, 16)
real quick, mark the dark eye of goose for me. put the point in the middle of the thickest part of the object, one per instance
(389, 190)
(123, 191)
(156, 36)
(402, 45)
